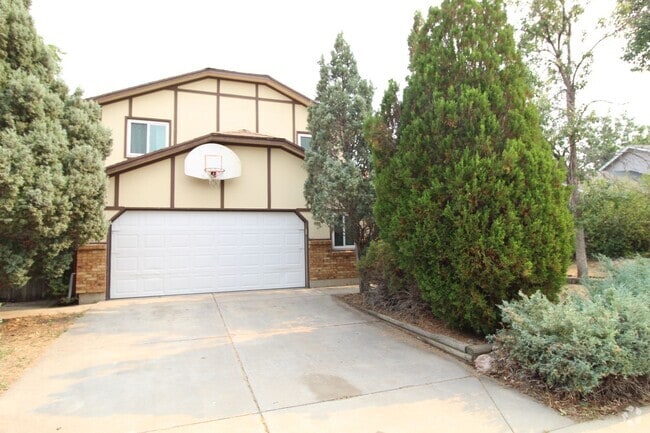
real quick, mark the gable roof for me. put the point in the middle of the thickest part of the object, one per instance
(627, 149)
(171, 82)
(237, 138)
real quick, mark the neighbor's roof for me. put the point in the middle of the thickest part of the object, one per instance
(623, 152)
(200, 75)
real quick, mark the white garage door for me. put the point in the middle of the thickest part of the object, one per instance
(178, 252)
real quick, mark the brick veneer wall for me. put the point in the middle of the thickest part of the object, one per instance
(326, 263)
(91, 269)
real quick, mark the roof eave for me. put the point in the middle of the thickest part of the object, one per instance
(170, 82)
(227, 139)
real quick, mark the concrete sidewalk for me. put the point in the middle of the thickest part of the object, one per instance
(277, 361)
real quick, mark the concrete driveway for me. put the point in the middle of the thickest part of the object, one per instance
(269, 361)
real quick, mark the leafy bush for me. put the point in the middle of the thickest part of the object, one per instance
(389, 283)
(577, 344)
(616, 218)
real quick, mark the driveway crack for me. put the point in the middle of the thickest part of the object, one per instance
(241, 365)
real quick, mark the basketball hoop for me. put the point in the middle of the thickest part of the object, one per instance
(214, 175)
(213, 166)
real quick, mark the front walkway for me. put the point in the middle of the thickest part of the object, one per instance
(269, 361)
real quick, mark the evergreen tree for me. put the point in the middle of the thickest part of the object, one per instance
(473, 201)
(52, 147)
(339, 178)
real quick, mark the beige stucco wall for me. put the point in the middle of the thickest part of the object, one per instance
(147, 186)
(110, 192)
(236, 114)
(276, 119)
(207, 85)
(197, 115)
(109, 214)
(113, 117)
(266, 92)
(287, 179)
(190, 192)
(316, 232)
(236, 88)
(301, 119)
(156, 105)
(250, 189)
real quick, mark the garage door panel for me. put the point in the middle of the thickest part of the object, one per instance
(172, 252)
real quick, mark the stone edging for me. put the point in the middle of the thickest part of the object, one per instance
(466, 352)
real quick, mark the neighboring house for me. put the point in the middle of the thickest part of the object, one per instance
(173, 232)
(632, 162)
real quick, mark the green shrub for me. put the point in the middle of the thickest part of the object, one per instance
(616, 218)
(388, 282)
(472, 200)
(576, 344)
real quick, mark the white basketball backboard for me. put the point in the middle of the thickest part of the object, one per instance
(211, 157)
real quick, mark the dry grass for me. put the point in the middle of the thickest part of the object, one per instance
(23, 341)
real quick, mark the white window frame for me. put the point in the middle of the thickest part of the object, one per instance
(344, 246)
(301, 135)
(149, 123)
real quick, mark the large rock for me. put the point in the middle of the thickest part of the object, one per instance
(483, 363)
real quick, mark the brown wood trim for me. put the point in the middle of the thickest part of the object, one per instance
(170, 82)
(108, 259)
(226, 139)
(130, 107)
(268, 178)
(222, 194)
(149, 119)
(200, 92)
(175, 125)
(126, 133)
(116, 195)
(232, 95)
(123, 209)
(218, 105)
(172, 190)
(257, 108)
(306, 243)
(293, 124)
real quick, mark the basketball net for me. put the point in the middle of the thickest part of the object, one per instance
(214, 176)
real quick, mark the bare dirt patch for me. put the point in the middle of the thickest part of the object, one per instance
(24, 339)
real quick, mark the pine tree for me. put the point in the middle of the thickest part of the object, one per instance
(52, 182)
(473, 201)
(339, 178)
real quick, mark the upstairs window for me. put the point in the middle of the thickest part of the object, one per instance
(304, 140)
(342, 237)
(144, 136)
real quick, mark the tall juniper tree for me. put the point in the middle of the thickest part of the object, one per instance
(339, 178)
(52, 148)
(472, 200)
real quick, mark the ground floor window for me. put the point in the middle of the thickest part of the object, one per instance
(342, 237)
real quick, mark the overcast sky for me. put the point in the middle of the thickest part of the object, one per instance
(110, 45)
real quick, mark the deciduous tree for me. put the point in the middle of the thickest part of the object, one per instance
(633, 17)
(549, 38)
